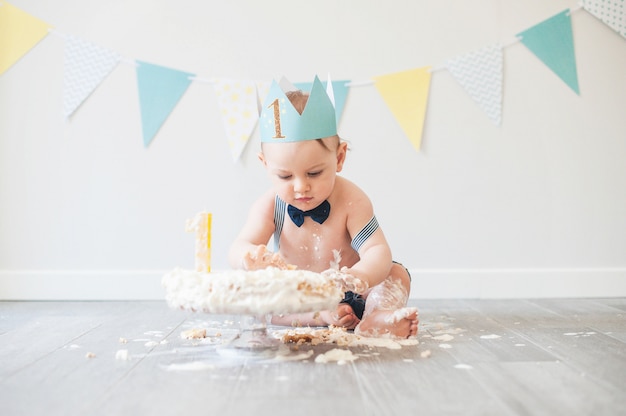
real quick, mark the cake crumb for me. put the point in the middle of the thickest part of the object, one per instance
(123, 340)
(90, 355)
(295, 338)
(194, 333)
(425, 354)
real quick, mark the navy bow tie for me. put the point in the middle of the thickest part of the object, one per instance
(317, 214)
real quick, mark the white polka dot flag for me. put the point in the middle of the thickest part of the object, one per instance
(239, 109)
(611, 12)
(480, 74)
(263, 88)
(86, 66)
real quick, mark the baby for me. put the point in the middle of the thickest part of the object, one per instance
(319, 219)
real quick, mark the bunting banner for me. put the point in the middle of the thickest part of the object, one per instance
(611, 12)
(406, 95)
(19, 33)
(552, 42)
(86, 66)
(160, 89)
(340, 92)
(480, 74)
(238, 103)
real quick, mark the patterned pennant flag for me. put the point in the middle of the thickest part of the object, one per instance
(160, 89)
(553, 43)
(480, 74)
(406, 95)
(238, 104)
(86, 66)
(262, 88)
(611, 12)
(19, 33)
(340, 92)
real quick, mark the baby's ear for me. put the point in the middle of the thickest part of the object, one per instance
(342, 151)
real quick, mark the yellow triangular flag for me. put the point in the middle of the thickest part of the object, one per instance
(19, 32)
(406, 95)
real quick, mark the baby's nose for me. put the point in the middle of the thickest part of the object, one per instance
(300, 185)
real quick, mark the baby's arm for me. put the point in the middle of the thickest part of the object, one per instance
(375, 263)
(375, 260)
(255, 233)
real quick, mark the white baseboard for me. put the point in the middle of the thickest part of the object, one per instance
(81, 285)
(518, 283)
(427, 284)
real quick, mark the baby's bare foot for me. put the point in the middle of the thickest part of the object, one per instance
(401, 323)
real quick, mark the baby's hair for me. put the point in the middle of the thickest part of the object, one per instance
(298, 100)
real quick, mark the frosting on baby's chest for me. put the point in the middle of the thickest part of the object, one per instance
(312, 246)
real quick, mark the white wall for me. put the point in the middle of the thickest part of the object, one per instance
(536, 207)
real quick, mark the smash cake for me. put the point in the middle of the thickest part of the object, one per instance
(255, 292)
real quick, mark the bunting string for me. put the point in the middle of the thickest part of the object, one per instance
(478, 72)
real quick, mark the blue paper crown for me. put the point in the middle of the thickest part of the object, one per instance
(281, 122)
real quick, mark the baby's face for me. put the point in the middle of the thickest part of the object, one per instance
(303, 173)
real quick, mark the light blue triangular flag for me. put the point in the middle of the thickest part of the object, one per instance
(340, 91)
(552, 42)
(160, 89)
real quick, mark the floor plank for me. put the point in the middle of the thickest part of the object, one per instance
(483, 357)
(567, 336)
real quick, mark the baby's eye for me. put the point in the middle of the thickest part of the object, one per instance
(284, 177)
(314, 174)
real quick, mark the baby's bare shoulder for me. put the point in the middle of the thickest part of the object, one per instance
(351, 196)
(264, 205)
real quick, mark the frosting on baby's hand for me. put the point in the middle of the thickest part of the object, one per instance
(262, 258)
(346, 281)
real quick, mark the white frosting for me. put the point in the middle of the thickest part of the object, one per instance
(258, 292)
(122, 355)
(336, 354)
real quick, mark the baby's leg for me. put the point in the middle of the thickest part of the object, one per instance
(386, 313)
(343, 316)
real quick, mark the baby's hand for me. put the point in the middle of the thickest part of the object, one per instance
(264, 258)
(346, 281)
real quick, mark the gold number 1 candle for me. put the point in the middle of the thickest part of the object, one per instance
(201, 225)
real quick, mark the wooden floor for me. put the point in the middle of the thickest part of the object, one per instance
(487, 357)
